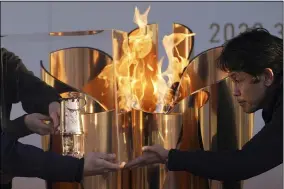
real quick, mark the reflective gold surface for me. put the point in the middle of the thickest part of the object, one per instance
(201, 72)
(117, 75)
(100, 137)
(189, 107)
(79, 68)
(54, 82)
(92, 59)
(224, 125)
(150, 129)
(75, 71)
(205, 115)
(75, 33)
(190, 139)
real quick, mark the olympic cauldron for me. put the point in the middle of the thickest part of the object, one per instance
(116, 99)
(115, 106)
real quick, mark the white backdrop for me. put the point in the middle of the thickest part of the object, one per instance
(213, 23)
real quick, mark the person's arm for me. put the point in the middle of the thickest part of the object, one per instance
(262, 153)
(21, 160)
(18, 128)
(34, 94)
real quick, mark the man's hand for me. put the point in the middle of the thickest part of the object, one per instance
(100, 163)
(54, 113)
(38, 123)
(151, 155)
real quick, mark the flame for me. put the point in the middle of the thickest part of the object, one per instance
(141, 19)
(140, 80)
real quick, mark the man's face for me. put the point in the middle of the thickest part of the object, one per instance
(249, 94)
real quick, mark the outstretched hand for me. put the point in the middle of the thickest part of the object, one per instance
(100, 163)
(151, 155)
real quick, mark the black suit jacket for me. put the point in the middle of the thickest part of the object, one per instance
(19, 160)
(262, 153)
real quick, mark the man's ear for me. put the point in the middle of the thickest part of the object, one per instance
(268, 77)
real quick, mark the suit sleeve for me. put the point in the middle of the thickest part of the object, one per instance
(262, 153)
(17, 128)
(34, 94)
(19, 160)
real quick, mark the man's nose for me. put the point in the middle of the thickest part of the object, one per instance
(236, 91)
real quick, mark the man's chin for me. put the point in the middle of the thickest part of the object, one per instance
(249, 110)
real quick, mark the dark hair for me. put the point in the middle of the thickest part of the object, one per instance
(251, 52)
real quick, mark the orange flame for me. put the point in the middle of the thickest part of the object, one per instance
(141, 83)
